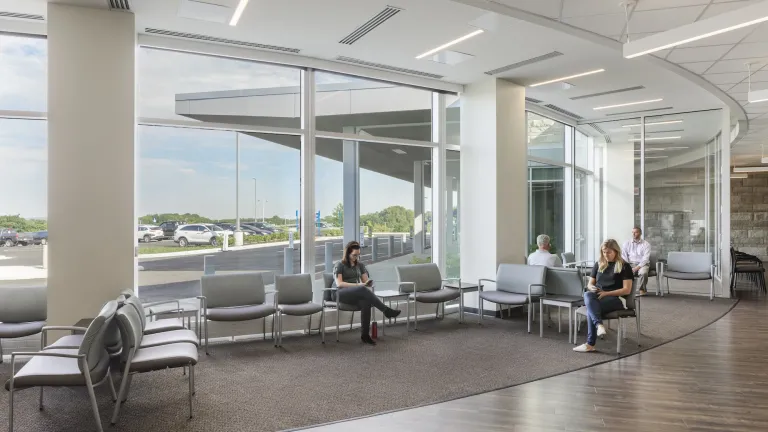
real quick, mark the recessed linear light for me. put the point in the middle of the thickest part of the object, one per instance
(568, 77)
(627, 104)
(739, 176)
(663, 149)
(651, 157)
(725, 22)
(750, 169)
(451, 43)
(399, 151)
(654, 124)
(238, 12)
(657, 138)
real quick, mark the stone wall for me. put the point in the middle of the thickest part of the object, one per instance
(749, 214)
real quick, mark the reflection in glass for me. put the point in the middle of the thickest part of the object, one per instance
(546, 205)
(546, 138)
(452, 232)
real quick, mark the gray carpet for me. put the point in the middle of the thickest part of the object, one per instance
(252, 386)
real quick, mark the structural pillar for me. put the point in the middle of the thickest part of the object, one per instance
(351, 157)
(493, 180)
(91, 158)
(619, 191)
(418, 207)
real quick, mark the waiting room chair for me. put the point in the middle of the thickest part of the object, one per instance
(87, 366)
(689, 266)
(158, 326)
(136, 359)
(748, 266)
(426, 285)
(23, 311)
(293, 297)
(234, 297)
(516, 285)
(329, 301)
(632, 311)
(565, 288)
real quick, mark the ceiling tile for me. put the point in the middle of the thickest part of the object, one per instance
(662, 53)
(725, 87)
(740, 97)
(760, 108)
(601, 24)
(663, 4)
(690, 55)
(744, 86)
(698, 67)
(728, 66)
(632, 36)
(759, 33)
(664, 19)
(759, 76)
(548, 8)
(748, 50)
(717, 9)
(577, 8)
(726, 78)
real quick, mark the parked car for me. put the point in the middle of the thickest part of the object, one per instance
(147, 233)
(8, 237)
(219, 230)
(264, 226)
(26, 239)
(232, 227)
(255, 229)
(41, 237)
(195, 234)
(169, 227)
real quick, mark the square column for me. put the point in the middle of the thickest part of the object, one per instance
(351, 157)
(493, 180)
(91, 159)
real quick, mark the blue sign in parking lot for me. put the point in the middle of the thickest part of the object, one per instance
(297, 220)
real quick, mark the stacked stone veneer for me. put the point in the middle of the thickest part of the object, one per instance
(749, 214)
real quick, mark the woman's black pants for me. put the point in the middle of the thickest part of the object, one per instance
(364, 298)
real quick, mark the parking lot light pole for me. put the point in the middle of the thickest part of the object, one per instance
(255, 200)
(263, 206)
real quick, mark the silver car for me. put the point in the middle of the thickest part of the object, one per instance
(195, 234)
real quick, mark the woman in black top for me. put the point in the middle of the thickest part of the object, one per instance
(611, 280)
(352, 281)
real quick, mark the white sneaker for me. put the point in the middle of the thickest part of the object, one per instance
(584, 348)
(600, 330)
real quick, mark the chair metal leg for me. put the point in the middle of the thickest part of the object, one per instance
(191, 387)
(92, 396)
(322, 324)
(338, 312)
(351, 320)
(541, 322)
(530, 313)
(111, 389)
(618, 338)
(10, 396)
(415, 314)
(479, 310)
(637, 323)
(205, 324)
(309, 327)
(264, 328)
(1, 351)
(121, 395)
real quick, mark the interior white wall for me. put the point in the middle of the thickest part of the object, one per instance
(619, 203)
(494, 185)
(91, 152)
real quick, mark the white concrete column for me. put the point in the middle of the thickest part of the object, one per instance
(724, 289)
(351, 180)
(307, 213)
(418, 207)
(439, 220)
(619, 201)
(493, 181)
(91, 158)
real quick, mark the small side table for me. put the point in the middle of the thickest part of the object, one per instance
(463, 287)
(388, 296)
(560, 301)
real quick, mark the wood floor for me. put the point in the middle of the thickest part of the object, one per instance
(715, 379)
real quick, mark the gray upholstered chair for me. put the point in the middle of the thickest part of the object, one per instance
(329, 301)
(565, 288)
(632, 311)
(136, 359)
(689, 266)
(516, 285)
(653, 269)
(426, 285)
(158, 326)
(293, 296)
(86, 366)
(234, 297)
(569, 261)
(23, 311)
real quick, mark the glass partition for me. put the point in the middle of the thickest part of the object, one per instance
(452, 232)
(546, 138)
(23, 73)
(546, 206)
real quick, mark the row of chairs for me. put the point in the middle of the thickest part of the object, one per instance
(119, 339)
(746, 266)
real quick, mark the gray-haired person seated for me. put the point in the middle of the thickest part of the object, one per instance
(542, 257)
(352, 281)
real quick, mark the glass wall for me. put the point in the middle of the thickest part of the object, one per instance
(547, 138)
(453, 230)
(23, 73)
(546, 194)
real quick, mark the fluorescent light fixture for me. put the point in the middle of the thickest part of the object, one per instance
(654, 124)
(398, 151)
(657, 138)
(739, 176)
(718, 24)
(751, 169)
(567, 78)
(238, 11)
(755, 96)
(451, 43)
(627, 104)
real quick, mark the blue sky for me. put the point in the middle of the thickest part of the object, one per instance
(179, 170)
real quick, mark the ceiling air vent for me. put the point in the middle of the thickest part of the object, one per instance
(532, 100)
(609, 92)
(371, 24)
(562, 111)
(386, 67)
(220, 40)
(22, 16)
(119, 5)
(520, 64)
(602, 132)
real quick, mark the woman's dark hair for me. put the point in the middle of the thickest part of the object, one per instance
(351, 246)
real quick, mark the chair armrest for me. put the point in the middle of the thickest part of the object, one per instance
(71, 328)
(178, 305)
(408, 283)
(44, 354)
(270, 292)
(330, 289)
(480, 283)
(533, 285)
(576, 262)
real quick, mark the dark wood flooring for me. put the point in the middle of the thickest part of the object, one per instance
(715, 379)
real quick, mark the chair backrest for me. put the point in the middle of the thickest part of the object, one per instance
(328, 280)
(127, 293)
(93, 346)
(23, 304)
(233, 289)
(129, 322)
(568, 257)
(654, 258)
(425, 276)
(630, 299)
(515, 278)
(293, 289)
(136, 304)
(690, 262)
(564, 281)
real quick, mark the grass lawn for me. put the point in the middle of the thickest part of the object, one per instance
(166, 249)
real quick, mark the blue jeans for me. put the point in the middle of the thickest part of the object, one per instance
(595, 309)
